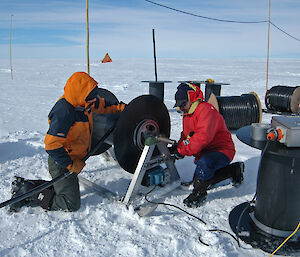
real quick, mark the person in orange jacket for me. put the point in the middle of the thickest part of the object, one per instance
(67, 142)
(206, 137)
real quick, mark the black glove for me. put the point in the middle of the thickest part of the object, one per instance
(178, 155)
(173, 151)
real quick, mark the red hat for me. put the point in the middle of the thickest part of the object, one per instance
(187, 91)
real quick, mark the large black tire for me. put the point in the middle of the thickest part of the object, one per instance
(143, 116)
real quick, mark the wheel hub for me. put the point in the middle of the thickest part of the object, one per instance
(143, 130)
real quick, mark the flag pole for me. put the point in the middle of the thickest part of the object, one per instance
(154, 51)
(10, 57)
(87, 36)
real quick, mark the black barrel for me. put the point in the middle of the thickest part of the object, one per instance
(212, 88)
(278, 189)
(157, 89)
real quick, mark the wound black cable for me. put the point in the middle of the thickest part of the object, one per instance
(204, 17)
(177, 207)
(239, 111)
(279, 98)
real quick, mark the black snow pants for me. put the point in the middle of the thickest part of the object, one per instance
(67, 194)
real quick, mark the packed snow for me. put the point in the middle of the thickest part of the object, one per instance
(106, 228)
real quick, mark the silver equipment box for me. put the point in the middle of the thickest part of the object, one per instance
(290, 127)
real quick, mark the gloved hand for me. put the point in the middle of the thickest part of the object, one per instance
(172, 149)
(122, 106)
(178, 155)
(77, 166)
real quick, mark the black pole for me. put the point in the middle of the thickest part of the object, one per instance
(57, 179)
(153, 35)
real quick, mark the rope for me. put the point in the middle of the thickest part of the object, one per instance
(279, 98)
(204, 17)
(223, 20)
(239, 111)
(284, 31)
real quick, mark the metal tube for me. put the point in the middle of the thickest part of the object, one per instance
(165, 140)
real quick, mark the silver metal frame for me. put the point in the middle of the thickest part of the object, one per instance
(145, 162)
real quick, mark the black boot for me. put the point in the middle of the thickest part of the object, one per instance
(237, 173)
(198, 195)
(21, 186)
(234, 171)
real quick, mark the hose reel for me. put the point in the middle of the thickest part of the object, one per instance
(283, 98)
(238, 111)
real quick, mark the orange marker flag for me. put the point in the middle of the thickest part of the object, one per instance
(106, 58)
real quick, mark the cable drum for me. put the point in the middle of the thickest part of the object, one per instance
(240, 111)
(283, 98)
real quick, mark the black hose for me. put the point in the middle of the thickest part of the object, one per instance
(57, 179)
(239, 111)
(279, 98)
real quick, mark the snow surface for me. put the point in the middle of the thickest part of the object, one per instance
(100, 227)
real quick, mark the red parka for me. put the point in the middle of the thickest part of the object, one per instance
(205, 131)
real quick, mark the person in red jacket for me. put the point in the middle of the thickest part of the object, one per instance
(206, 137)
(67, 142)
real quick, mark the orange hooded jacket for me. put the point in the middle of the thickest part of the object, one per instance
(70, 125)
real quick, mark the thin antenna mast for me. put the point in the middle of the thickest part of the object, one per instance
(11, 72)
(267, 79)
(153, 35)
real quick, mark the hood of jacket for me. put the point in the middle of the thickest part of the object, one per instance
(78, 87)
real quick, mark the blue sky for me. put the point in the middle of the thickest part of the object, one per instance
(123, 28)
